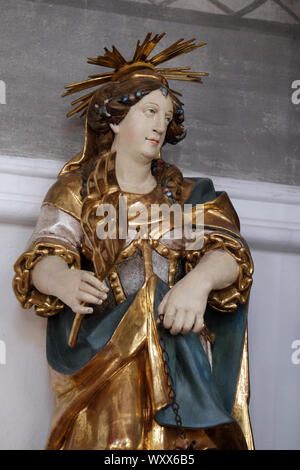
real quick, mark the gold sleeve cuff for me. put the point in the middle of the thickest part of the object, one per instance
(27, 295)
(226, 300)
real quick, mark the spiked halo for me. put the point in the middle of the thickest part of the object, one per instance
(114, 60)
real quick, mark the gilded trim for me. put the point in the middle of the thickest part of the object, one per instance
(226, 300)
(116, 286)
(27, 295)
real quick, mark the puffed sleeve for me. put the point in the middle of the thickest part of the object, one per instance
(58, 233)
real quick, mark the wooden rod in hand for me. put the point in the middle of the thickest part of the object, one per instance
(75, 330)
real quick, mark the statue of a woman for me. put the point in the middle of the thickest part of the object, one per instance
(132, 363)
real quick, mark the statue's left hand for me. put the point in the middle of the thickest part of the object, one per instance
(184, 305)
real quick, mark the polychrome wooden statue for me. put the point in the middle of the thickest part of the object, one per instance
(147, 312)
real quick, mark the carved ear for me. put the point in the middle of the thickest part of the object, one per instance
(115, 128)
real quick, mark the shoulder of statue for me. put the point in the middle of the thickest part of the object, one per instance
(65, 194)
(221, 207)
(218, 208)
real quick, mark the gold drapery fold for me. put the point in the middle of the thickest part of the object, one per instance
(135, 334)
(110, 403)
(240, 409)
(134, 365)
(65, 194)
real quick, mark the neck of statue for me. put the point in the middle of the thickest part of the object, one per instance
(133, 173)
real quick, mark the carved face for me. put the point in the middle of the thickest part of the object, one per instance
(142, 131)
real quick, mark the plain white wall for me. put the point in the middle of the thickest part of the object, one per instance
(25, 396)
(269, 216)
(274, 323)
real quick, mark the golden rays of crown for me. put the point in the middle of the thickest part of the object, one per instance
(113, 59)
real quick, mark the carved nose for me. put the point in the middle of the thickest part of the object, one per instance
(159, 126)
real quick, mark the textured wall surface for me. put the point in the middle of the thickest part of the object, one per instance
(241, 122)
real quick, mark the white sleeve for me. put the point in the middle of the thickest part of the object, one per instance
(57, 224)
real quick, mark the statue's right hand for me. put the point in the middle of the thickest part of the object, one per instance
(74, 287)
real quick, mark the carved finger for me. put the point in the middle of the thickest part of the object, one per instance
(189, 321)
(88, 298)
(178, 321)
(87, 288)
(162, 305)
(198, 324)
(91, 279)
(82, 309)
(169, 316)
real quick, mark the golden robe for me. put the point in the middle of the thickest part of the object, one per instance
(113, 389)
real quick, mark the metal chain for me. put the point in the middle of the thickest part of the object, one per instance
(171, 394)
